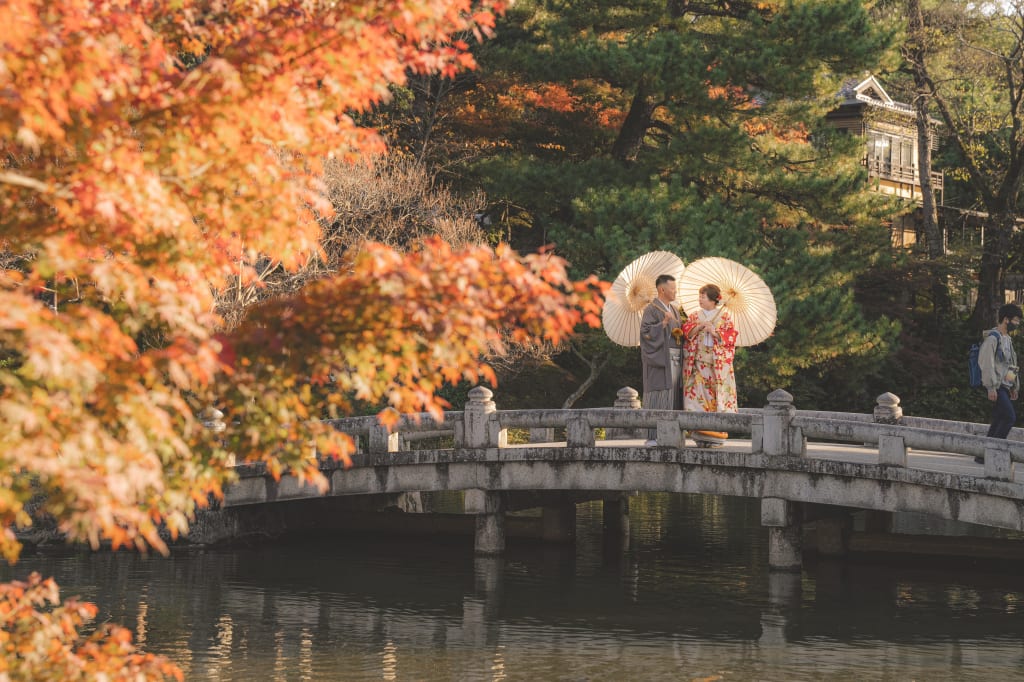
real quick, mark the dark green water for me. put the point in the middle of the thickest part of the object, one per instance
(690, 600)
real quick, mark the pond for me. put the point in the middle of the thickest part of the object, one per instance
(690, 599)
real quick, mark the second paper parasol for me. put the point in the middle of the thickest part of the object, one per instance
(745, 294)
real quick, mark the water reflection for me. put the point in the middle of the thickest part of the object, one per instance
(688, 597)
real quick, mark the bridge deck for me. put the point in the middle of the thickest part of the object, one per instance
(916, 459)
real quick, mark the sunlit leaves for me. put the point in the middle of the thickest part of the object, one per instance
(152, 152)
(396, 326)
(43, 639)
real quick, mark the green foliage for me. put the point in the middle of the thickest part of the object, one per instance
(736, 161)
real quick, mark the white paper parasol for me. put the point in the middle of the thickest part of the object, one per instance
(632, 290)
(745, 294)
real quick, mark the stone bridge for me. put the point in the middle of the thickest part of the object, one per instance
(800, 464)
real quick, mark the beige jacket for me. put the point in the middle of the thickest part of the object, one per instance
(995, 365)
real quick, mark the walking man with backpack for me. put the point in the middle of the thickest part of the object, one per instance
(999, 371)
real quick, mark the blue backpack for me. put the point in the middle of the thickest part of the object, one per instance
(973, 368)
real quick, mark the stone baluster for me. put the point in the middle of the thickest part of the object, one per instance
(670, 434)
(998, 464)
(626, 398)
(579, 432)
(381, 439)
(479, 430)
(779, 436)
(888, 410)
(213, 419)
(892, 451)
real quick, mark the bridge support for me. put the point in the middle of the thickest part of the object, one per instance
(782, 518)
(490, 523)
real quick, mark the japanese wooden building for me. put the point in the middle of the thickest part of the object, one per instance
(890, 153)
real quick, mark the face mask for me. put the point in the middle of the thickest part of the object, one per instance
(1012, 326)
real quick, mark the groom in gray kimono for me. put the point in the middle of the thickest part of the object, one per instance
(660, 354)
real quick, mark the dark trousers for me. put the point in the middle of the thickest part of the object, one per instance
(1003, 415)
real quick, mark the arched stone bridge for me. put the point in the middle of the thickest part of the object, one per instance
(787, 458)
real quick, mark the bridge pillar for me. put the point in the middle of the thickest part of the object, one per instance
(778, 437)
(998, 464)
(626, 398)
(892, 451)
(490, 524)
(782, 518)
(478, 430)
(381, 439)
(887, 409)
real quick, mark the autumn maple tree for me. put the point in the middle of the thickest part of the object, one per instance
(155, 152)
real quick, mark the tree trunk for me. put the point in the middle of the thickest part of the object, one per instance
(634, 128)
(934, 238)
(596, 365)
(929, 213)
(991, 275)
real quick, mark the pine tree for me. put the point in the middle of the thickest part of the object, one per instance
(694, 127)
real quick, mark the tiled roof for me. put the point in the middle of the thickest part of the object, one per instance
(871, 92)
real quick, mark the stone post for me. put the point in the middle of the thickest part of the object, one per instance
(892, 451)
(998, 464)
(626, 398)
(478, 430)
(579, 432)
(213, 419)
(777, 432)
(670, 434)
(381, 439)
(887, 409)
(784, 533)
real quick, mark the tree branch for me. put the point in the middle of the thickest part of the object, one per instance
(596, 365)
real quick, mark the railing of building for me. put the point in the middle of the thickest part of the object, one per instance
(885, 170)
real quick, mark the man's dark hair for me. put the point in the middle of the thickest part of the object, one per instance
(1009, 311)
(662, 279)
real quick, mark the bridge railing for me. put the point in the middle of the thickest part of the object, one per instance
(777, 429)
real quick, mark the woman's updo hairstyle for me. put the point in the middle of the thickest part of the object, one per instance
(712, 292)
